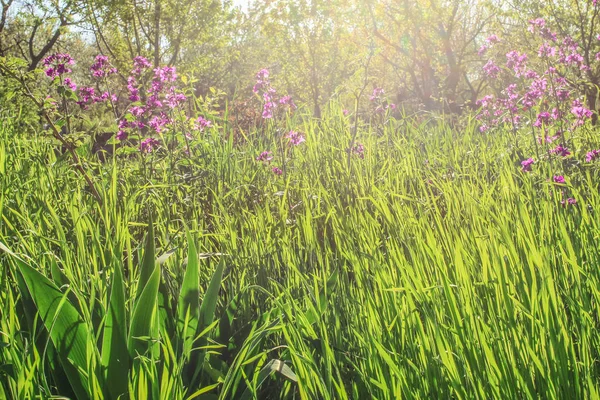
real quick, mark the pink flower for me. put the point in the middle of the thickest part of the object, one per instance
(265, 157)
(68, 83)
(149, 144)
(526, 165)
(491, 69)
(377, 93)
(592, 155)
(159, 122)
(133, 89)
(561, 151)
(287, 100)
(581, 113)
(492, 39)
(57, 64)
(137, 111)
(262, 80)
(87, 95)
(277, 171)
(536, 23)
(139, 65)
(101, 67)
(559, 179)
(165, 74)
(174, 99)
(516, 61)
(295, 138)
(359, 150)
(202, 123)
(543, 118)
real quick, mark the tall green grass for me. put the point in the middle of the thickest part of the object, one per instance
(433, 268)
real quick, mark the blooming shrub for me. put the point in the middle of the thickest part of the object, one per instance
(538, 92)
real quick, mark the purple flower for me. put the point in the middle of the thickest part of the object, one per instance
(559, 179)
(87, 95)
(561, 151)
(174, 99)
(570, 201)
(202, 123)
(158, 122)
(268, 109)
(265, 157)
(165, 74)
(485, 101)
(536, 23)
(149, 144)
(377, 93)
(581, 113)
(137, 111)
(295, 138)
(592, 155)
(287, 100)
(101, 67)
(526, 165)
(543, 118)
(57, 64)
(531, 74)
(263, 74)
(68, 83)
(359, 150)
(139, 65)
(277, 171)
(262, 80)
(345, 112)
(121, 135)
(134, 93)
(482, 50)
(491, 69)
(492, 39)
(546, 50)
(516, 61)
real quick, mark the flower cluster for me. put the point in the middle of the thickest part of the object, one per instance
(380, 102)
(548, 91)
(358, 150)
(592, 155)
(264, 88)
(265, 157)
(101, 67)
(161, 98)
(57, 64)
(295, 138)
(526, 164)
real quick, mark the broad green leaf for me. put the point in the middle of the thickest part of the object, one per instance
(148, 261)
(209, 302)
(115, 358)
(67, 329)
(189, 299)
(143, 318)
(205, 319)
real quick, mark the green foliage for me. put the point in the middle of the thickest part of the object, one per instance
(433, 267)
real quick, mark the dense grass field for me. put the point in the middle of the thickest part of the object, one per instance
(431, 268)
